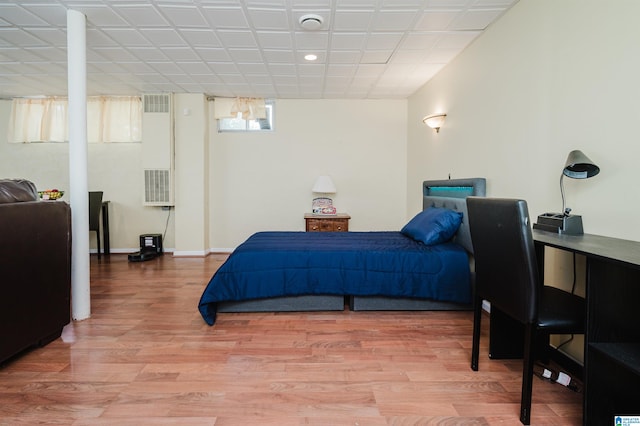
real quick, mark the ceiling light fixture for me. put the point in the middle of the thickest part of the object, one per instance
(311, 22)
(310, 57)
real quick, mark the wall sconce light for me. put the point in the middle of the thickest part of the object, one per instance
(434, 121)
(577, 166)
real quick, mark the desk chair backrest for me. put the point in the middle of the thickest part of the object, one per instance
(505, 259)
(95, 204)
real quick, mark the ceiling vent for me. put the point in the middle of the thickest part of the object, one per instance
(311, 22)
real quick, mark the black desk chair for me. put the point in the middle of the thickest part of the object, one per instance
(507, 277)
(95, 205)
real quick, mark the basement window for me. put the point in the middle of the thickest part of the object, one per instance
(256, 125)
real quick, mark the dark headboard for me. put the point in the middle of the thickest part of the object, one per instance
(452, 194)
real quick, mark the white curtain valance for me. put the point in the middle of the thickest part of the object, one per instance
(109, 119)
(245, 108)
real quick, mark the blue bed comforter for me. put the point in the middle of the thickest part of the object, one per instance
(272, 264)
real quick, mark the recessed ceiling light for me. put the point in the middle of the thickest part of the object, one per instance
(310, 57)
(311, 22)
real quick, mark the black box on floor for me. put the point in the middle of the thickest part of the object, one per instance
(151, 242)
(150, 248)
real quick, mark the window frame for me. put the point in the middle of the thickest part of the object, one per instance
(249, 126)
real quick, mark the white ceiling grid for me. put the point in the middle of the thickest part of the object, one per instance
(365, 48)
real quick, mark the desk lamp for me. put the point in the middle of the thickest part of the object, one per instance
(577, 166)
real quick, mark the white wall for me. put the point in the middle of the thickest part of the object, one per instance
(548, 77)
(230, 185)
(113, 168)
(262, 181)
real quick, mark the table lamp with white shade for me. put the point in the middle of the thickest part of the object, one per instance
(323, 205)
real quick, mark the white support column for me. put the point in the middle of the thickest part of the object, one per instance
(78, 187)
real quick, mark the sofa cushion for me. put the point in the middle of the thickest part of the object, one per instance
(17, 190)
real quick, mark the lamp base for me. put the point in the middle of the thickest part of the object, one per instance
(560, 223)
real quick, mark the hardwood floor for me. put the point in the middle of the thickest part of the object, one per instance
(146, 357)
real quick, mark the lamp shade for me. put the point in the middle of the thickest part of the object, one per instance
(324, 185)
(579, 166)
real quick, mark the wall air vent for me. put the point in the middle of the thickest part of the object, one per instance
(157, 187)
(158, 149)
(156, 103)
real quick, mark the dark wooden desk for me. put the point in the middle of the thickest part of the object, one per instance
(612, 338)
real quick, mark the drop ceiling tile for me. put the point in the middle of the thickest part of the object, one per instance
(163, 37)
(49, 53)
(226, 17)
(393, 20)
(245, 55)
(282, 69)
(181, 54)
(380, 41)
(54, 36)
(345, 57)
(54, 15)
(104, 67)
(232, 78)
(101, 15)
(127, 37)
(223, 67)
(116, 54)
(169, 68)
(97, 38)
(311, 40)
(19, 55)
(148, 54)
(334, 70)
(201, 37)
(253, 68)
(436, 21)
(348, 41)
(136, 67)
(20, 17)
(184, 16)
(237, 39)
(376, 56)
(141, 15)
(18, 37)
(352, 20)
(194, 68)
(311, 70)
(213, 55)
(419, 41)
(274, 39)
(269, 19)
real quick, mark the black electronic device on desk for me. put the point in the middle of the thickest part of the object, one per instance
(577, 166)
(561, 223)
(150, 248)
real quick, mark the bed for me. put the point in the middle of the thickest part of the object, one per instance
(306, 271)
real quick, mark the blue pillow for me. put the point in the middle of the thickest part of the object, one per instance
(434, 225)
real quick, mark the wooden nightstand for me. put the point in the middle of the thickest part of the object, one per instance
(327, 223)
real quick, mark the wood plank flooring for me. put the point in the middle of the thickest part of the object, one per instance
(146, 357)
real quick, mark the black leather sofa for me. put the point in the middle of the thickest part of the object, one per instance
(35, 260)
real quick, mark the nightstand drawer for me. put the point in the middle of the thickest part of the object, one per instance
(333, 223)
